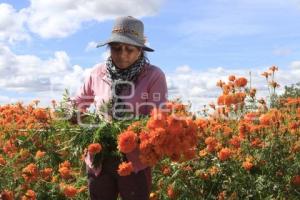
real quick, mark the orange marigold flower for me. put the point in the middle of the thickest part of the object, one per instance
(296, 180)
(211, 140)
(187, 168)
(203, 153)
(125, 168)
(213, 170)
(94, 148)
(243, 129)
(220, 83)
(7, 195)
(235, 141)
(2, 160)
(9, 147)
(291, 101)
(296, 146)
(201, 123)
(135, 127)
(202, 175)
(175, 126)
(30, 172)
(224, 154)
(29, 195)
(265, 119)
(211, 148)
(46, 173)
(40, 114)
(228, 100)
(231, 78)
(39, 154)
(147, 155)
(273, 68)
(221, 100)
(65, 164)
(222, 195)
(157, 114)
(127, 141)
(173, 106)
(292, 125)
(171, 192)
(241, 82)
(154, 123)
(166, 171)
(240, 97)
(226, 89)
(70, 191)
(251, 116)
(256, 142)
(247, 165)
(158, 137)
(265, 74)
(252, 92)
(227, 131)
(65, 172)
(153, 196)
(274, 84)
(179, 107)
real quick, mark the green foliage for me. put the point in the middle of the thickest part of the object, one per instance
(292, 91)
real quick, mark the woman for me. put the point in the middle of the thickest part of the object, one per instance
(131, 85)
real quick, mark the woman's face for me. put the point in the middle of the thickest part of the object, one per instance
(124, 55)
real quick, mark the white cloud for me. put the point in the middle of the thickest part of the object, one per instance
(183, 69)
(295, 65)
(91, 46)
(216, 70)
(30, 65)
(50, 18)
(283, 51)
(105, 55)
(56, 19)
(4, 99)
(29, 73)
(12, 25)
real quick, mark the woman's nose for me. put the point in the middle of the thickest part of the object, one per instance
(123, 53)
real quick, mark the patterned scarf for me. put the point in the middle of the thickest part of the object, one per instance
(118, 76)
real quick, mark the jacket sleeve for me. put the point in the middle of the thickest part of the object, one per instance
(85, 95)
(158, 92)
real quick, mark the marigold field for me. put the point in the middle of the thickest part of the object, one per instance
(240, 147)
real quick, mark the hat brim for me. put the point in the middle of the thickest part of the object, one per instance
(126, 40)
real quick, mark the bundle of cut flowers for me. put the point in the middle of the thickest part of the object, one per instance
(169, 132)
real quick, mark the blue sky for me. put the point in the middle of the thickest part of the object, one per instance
(46, 46)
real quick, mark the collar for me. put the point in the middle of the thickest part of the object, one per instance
(106, 78)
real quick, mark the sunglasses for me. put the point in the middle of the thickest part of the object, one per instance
(118, 48)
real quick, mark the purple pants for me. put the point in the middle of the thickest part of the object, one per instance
(108, 185)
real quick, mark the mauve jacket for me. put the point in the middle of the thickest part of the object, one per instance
(149, 88)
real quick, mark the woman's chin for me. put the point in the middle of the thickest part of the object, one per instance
(123, 66)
